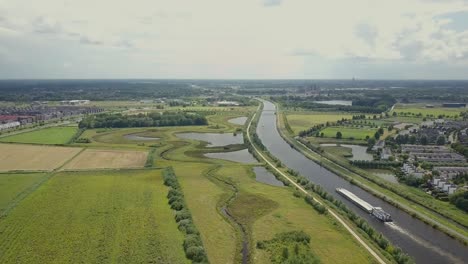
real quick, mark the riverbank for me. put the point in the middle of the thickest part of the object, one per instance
(415, 210)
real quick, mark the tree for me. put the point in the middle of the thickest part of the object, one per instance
(339, 135)
(423, 140)
(412, 139)
(440, 140)
(377, 135)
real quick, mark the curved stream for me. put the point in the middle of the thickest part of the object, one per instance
(424, 243)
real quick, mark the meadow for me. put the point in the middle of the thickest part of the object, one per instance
(89, 217)
(51, 136)
(300, 121)
(348, 132)
(415, 109)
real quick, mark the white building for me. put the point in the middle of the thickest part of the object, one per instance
(9, 125)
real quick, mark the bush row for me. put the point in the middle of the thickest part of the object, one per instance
(193, 245)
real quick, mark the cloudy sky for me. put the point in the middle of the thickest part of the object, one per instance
(378, 39)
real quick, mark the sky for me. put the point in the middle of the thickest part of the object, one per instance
(231, 39)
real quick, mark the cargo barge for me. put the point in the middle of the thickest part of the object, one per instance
(377, 212)
(356, 200)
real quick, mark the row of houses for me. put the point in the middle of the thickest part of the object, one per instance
(444, 185)
(411, 170)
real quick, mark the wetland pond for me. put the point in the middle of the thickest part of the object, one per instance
(214, 139)
(238, 120)
(135, 137)
(359, 152)
(242, 156)
(264, 176)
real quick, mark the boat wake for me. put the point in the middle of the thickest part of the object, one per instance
(422, 242)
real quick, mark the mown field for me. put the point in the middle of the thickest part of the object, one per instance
(89, 217)
(416, 109)
(300, 121)
(349, 132)
(30, 157)
(52, 135)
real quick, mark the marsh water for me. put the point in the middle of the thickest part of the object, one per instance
(424, 243)
(135, 137)
(242, 156)
(214, 139)
(359, 152)
(238, 120)
(264, 176)
(335, 102)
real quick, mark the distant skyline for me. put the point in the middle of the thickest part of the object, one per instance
(242, 39)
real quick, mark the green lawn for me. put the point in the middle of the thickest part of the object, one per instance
(14, 184)
(422, 109)
(300, 121)
(52, 135)
(348, 132)
(94, 217)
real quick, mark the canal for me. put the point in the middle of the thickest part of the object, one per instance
(422, 242)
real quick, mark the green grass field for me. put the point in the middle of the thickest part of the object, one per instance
(348, 132)
(421, 109)
(300, 121)
(52, 135)
(94, 217)
(12, 185)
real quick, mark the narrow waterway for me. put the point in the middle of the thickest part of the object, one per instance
(424, 243)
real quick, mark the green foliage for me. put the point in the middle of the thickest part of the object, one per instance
(460, 200)
(193, 245)
(143, 120)
(289, 247)
(150, 159)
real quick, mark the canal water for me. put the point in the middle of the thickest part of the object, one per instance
(424, 243)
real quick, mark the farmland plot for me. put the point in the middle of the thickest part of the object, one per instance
(107, 159)
(29, 157)
(94, 217)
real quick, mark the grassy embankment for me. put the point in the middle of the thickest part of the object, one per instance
(415, 202)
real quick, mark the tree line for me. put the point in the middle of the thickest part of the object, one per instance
(155, 119)
(193, 245)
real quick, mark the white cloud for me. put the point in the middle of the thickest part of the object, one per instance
(223, 38)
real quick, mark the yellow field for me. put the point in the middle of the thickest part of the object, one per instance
(28, 157)
(107, 159)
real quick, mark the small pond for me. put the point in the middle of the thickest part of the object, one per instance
(264, 176)
(214, 139)
(242, 156)
(135, 137)
(335, 102)
(359, 152)
(238, 120)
